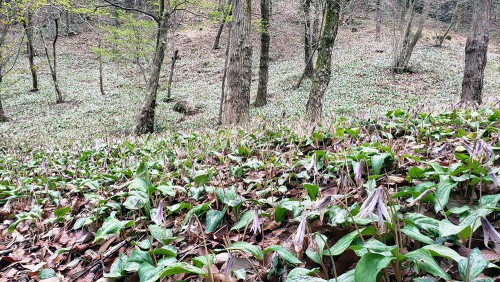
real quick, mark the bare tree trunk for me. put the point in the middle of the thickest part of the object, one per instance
(144, 122)
(476, 50)
(322, 72)
(3, 118)
(101, 74)
(404, 42)
(307, 39)
(223, 88)
(53, 64)
(28, 30)
(378, 20)
(219, 33)
(440, 39)
(221, 27)
(239, 78)
(261, 99)
(171, 75)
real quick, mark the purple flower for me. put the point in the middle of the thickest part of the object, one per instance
(489, 231)
(375, 203)
(298, 241)
(256, 222)
(159, 214)
(358, 173)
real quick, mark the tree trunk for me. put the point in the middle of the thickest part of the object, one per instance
(171, 75)
(101, 73)
(404, 42)
(261, 99)
(3, 118)
(378, 20)
(219, 33)
(239, 76)
(144, 122)
(307, 39)
(53, 63)
(28, 30)
(323, 68)
(476, 53)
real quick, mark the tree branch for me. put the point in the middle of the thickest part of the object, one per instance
(111, 4)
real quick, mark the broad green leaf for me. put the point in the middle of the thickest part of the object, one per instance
(149, 273)
(477, 265)
(47, 273)
(424, 260)
(161, 234)
(181, 267)
(446, 228)
(137, 257)
(369, 266)
(245, 220)
(144, 244)
(214, 218)
(166, 190)
(202, 261)
(168, 251)
(312, 190)
(303, 275)
(117, 268)
(111, 226)
(283, 253)
(426, 223)
(379, 161)
(346, 277)
(81, 222)
(62, 211)
(247, 247)
(317, 256)
(443, 194)
(443, 251)
(346, 241)
(412, 231)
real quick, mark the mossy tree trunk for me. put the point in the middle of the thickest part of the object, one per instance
(323, 69)
(265, 8)
(239, 75)
(308, 50)
(145, 119)
(476, 50)
(28, 30)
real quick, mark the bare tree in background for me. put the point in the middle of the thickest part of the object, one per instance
(476, 50)
(265, 8)
(27, 23)
(323, 69)
(405, 40)
(239, 72)
(53, 61)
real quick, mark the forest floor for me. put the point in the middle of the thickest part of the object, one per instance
(361, 82)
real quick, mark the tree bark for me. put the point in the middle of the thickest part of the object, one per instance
(101, 73)
(378, 20)
(323, 69)
(476, 50)
(171, 75)
(28, 30)
(309, 69)
(144, 122)
(404, 45)
(261, 99)
(53, 63)
(239, 76)
(3, 118)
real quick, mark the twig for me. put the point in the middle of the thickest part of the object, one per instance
(108, 254)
